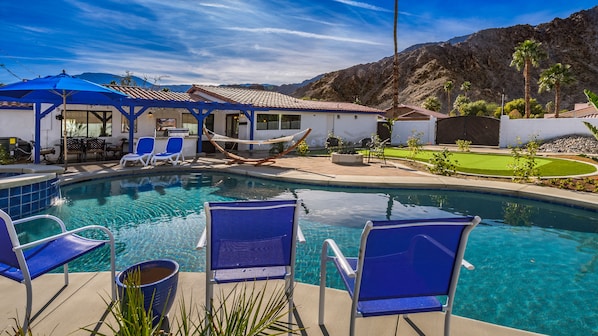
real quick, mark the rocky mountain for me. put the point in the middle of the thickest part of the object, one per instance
(482, 58)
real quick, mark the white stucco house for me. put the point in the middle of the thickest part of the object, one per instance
(234, 112)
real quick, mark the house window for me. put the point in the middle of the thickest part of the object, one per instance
(124, 125)
(290, 121)
(89, 124)
(209, 122)
(267, 122)
(190, 123)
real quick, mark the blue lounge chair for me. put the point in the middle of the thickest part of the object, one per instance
(404, 267)
(173, 152)
(25, 262)
(250, 241)
(143, 152)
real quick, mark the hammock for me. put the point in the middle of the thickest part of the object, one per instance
(214, 138)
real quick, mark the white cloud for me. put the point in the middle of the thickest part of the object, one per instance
(364, 5)
(303, 34)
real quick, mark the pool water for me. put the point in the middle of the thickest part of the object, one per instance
(536, 262)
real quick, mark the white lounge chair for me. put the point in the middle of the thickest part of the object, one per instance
(143, 152)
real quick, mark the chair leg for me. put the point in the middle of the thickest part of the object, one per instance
(447, 323)
(208, 305)
(28, 307)
(289, 292)
(322, 292)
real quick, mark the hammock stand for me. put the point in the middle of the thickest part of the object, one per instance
(214, 138)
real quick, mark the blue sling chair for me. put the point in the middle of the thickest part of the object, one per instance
(250, 241)
(404, 267)
(25, 262)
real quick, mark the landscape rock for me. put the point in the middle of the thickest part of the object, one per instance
(571, 144)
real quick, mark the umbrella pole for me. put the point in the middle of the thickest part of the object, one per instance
(64, 148)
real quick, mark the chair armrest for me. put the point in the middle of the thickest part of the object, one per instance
(300, 236)
(342, 260)
(67, 233)
(36, 217)
(467, 265)
(202, 241)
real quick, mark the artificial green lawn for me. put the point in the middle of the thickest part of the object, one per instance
(497, 164)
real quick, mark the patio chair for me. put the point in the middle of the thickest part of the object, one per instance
(173, 152)
(116, 149)
(404, 267)
(143, 152)
(250, 241)
(25, 262)
(75, 146)
(95, 146)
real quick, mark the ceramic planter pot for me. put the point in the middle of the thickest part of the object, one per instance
(159, 279)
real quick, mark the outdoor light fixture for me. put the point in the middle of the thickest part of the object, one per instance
(150, 114)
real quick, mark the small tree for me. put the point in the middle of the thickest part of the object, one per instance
(460, 101)
(442, 163)
(524, 161)
(519, 104)
(414, 143)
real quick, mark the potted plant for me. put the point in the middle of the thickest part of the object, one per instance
(157, 280)
(341, 152)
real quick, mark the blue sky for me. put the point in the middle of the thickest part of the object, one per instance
(237, 41)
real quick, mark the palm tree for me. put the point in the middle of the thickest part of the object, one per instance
(432, 103)
(395, 65)
(465, 87)
(527, 54)
(448, 86)
(554, 78)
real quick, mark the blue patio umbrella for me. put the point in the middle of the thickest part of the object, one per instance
(61, 88)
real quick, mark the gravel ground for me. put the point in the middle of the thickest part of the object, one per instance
(571, 144)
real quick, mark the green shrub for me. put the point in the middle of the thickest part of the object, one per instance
(524, 161)
(4, 157)
(302, 148)
(463, 145)
(276, 148)
(442, 163)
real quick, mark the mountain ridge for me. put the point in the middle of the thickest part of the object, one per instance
(482, 58)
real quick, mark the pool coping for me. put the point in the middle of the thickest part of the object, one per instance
(584, 200)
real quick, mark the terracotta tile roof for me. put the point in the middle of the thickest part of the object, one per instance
(10, 104)
(137, 92)
(416, 112)
(587, 111)
(274, 100)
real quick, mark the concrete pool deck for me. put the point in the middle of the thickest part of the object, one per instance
(81, 304)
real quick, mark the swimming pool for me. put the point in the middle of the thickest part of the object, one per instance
(536, 263)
